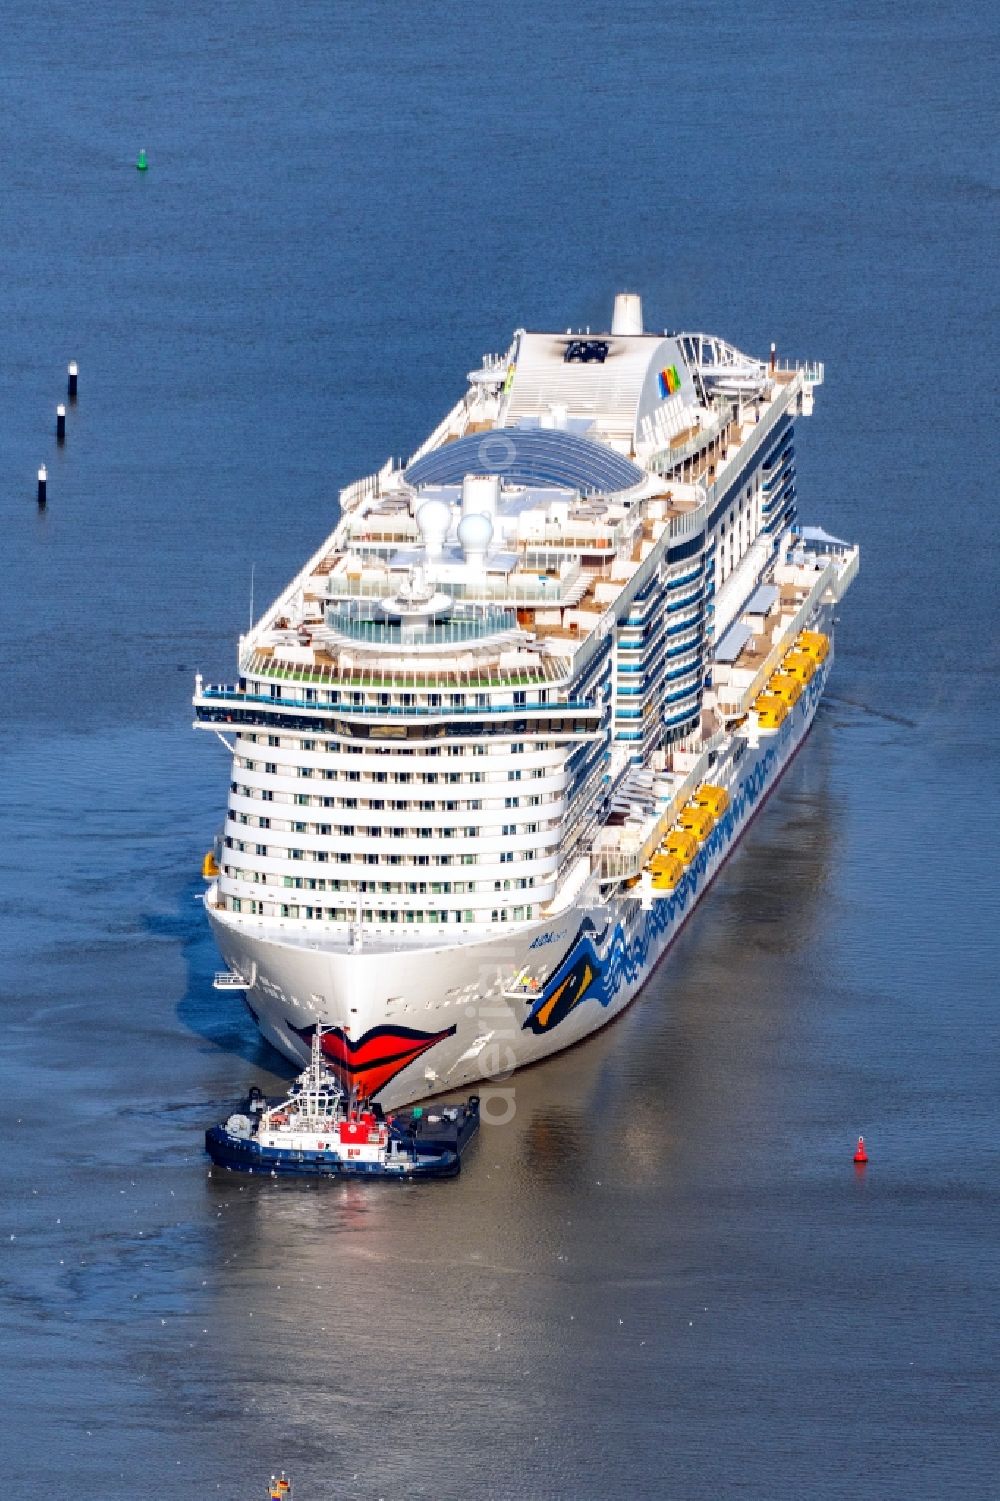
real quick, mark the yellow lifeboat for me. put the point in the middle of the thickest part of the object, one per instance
(771, 712)
(666, 871)
(799, 665)
(682, 843)
(699, 820)
(715, 799)
(814, 644)
(785, 687)
(209, 869)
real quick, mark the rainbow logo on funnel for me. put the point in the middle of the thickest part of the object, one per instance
(670, 382)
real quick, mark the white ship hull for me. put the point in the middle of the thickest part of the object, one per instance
(491, 744)
(422, 1021)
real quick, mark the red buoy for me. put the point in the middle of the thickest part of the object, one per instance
(860, 1155)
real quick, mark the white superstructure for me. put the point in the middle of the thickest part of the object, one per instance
(463, 732)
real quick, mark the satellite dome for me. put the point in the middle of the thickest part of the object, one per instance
(433, 522)
(475, 534)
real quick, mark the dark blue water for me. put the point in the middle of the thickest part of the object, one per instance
(664, 1278)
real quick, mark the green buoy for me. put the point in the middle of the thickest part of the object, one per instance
(142, 164)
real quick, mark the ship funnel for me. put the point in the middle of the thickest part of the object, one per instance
(480, 493)
(627, 316)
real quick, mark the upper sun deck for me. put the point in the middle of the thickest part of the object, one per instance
(547, 494)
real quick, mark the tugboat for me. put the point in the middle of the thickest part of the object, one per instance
(317, 1132)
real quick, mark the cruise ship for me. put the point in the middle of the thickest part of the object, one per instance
(492, 743)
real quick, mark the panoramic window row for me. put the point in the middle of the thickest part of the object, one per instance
(265, 794)
(388, 779)
(386, 888)
(372, 915)
(404, 805)
(371, 805)
(335, 747)
(472, 831)
(372, 857)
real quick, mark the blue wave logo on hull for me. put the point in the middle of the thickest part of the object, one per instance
(585, 974)
(580, 976)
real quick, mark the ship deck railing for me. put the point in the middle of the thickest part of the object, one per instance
(384, 536)
(576, 862)
(546, 671)
(624, 861)
(578, 536)
(369, 485)
(533, 708)
(812, 371)
(528, 587)
(456, 630)
(667, 459)
(735, 700)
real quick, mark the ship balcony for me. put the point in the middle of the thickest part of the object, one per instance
(226, 979)
(523, 987)
(805, 587)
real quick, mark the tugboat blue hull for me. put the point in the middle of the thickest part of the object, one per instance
(248, 1156)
